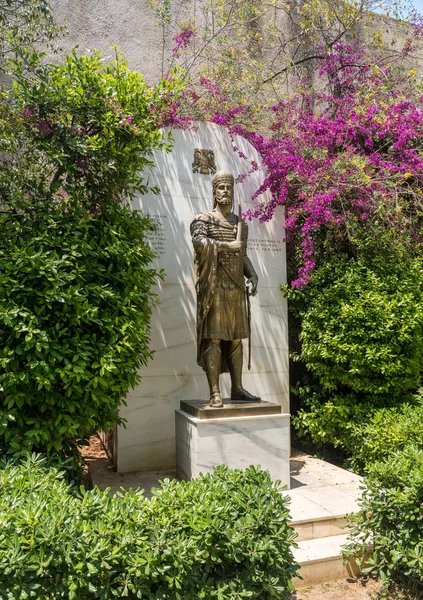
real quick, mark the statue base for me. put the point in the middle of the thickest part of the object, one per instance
(231, 408)
(237, 435)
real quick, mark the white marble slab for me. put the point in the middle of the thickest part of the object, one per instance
(184, 194)
(237, 442)
(148, 441)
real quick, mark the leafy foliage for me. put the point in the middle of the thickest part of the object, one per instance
(391, 516)
(90, 125)
(254, 52)
(222, 536)
(361, 342)
(385, 432)
(75, 278)
(74, 322)
(362, 329)
(23, 25)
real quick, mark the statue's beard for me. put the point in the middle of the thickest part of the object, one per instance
(225, 200)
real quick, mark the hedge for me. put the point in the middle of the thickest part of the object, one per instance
(75, 306)
(391, 517)
(224, 535)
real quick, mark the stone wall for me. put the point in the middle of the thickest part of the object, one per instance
(129, 24)
(132, 26)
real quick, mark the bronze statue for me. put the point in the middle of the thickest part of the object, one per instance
(221, 264)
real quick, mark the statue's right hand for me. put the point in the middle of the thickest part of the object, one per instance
(235, 246)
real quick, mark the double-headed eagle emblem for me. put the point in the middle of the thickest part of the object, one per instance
(204, 162)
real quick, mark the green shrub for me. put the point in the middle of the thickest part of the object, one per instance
(75, 275)
(75, 305)
(363, 331)
(384, 432)
(328, 418)
(391, 516)
(222, 536)
(361, 342)
(86, 131)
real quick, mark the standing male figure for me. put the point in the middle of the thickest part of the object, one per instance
(221, 264)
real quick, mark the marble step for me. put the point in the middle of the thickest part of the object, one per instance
(320, 527)
(321, 560)
(321, 496)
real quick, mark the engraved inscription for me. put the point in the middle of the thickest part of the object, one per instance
(157, 237)
(264, 245)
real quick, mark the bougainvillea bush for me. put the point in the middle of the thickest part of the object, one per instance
(344, 157)
(221, 536)
(347, 164)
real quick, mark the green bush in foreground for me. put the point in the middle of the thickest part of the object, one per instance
(222, 536)
(391, 516)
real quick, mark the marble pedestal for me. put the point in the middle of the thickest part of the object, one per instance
(235, 441)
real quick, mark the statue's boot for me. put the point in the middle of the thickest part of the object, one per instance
(212, 359)
(241, 395)
(235, 360)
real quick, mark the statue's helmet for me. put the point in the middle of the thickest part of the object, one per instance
(219, 177)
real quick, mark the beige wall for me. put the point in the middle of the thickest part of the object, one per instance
(129, 24)
(132, 26)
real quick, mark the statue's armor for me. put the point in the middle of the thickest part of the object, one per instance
(230, 266)
(223, 315)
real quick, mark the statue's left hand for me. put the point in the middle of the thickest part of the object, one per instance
(253, 281)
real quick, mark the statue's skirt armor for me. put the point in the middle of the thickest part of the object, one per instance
(227, 317)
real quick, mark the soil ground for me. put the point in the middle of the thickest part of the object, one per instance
(94, 450)
(348, 589)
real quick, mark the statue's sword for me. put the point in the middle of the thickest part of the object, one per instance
(239, 230)
(247, 289)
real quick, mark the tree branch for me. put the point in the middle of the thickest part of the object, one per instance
(294, 64)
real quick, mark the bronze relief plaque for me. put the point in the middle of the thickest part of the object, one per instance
(204, 162)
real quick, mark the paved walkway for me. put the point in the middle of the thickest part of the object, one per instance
(318, 488)
(321, 490)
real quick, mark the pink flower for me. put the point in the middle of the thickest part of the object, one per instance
(28, 112)
(181, 40)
